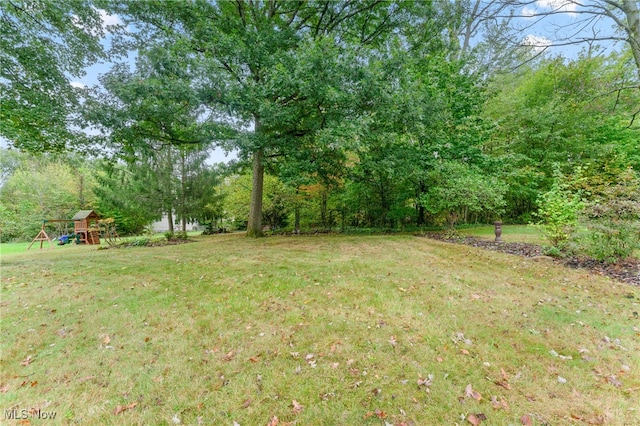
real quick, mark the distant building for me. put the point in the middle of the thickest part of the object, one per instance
(163, 225)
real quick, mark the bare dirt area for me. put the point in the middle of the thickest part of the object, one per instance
(627, 271)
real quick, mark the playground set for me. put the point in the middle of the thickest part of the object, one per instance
(86, 230)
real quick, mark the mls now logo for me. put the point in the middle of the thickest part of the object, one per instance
(15, 414)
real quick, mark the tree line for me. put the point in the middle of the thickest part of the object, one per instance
(343, 114)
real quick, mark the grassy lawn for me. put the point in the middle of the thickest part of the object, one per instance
(510, 233)
(8, 248)
(316, 330)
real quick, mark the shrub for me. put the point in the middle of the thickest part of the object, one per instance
(613, 242)
(551, 251)
(140, 242)
(558, 211)
(612, 219)
(181, 235)
(459, 189)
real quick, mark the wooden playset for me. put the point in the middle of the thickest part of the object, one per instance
(86, 230)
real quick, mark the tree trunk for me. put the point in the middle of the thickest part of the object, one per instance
(296, 221)
(323, 210)
(81, 190)
(183, 190)
(633, 23)
(420, 219)
(170, 219)
(254, 225)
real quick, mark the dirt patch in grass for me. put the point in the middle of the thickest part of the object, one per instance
(627, 271)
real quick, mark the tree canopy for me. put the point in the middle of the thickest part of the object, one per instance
(43, 45)
(344, 113)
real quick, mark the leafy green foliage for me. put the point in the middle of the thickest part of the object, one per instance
(559, 113)
(558, 211)
(128, 194)
(612, 218)
(278, 200)
(456, 189)
(43, 43)
(42, 187)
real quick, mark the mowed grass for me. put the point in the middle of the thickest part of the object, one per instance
(510, 233)
(315, 330)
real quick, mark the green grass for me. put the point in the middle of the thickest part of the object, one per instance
(8, 248)
(233, 329)
(20, 247)
(510, 233)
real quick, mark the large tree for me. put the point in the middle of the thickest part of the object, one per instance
(276, 69)
(43, 45)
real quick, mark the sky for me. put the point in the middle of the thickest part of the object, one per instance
(566, 25)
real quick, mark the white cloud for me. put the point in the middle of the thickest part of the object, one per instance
(537, 43)
(78, 85)
(528, 12)
(568, 6)
(108, 20)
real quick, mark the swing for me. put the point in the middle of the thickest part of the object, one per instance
(43, 236)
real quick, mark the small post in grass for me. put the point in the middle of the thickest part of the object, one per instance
(498, 231)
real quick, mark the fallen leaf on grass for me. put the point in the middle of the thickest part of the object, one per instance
(380, 414)
(499, 405)
(504, 375)
(393, 341)
(255, 358)
(426, 382)
(594, 421)
(614, 381)
(105, 339)
(28, 360)
(476, 419)
(273, 421)
(526, 420)
(469, 392)
(121, 408)
(4, 388)
(297, 407)
(503, 383)
(247, 403)
(229, 356)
